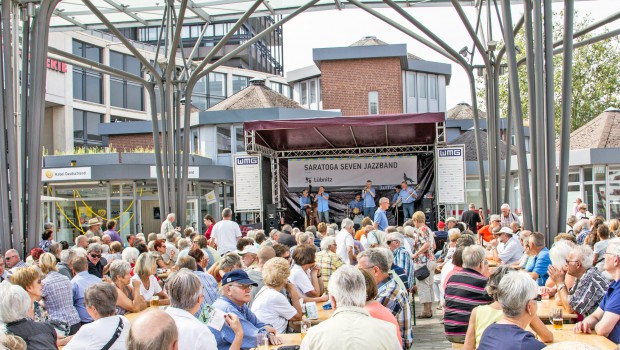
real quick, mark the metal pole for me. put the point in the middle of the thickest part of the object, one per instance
(23, 160)
(550, 121)
(539, 81)
(567, 74)
(531, 92)
(508, 150)
(517, 115)
(5, 224)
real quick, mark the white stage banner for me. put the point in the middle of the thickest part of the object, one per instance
(451, 175)
(248, 189)
(352, 172)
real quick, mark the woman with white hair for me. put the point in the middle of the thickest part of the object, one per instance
(516, 293)
(128, 300)
(14, 306)
(145, 273)
(328, 259)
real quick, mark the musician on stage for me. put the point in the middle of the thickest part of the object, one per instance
(304, 202)
(406, 196)
(322, 199)
(368, 193)
(356, 206)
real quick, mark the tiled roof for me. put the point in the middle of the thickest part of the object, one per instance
(600, 132)
(463, 111)
(256, 96)
(468, 139)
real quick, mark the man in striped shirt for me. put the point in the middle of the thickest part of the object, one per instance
(402, 258)
(464, 291)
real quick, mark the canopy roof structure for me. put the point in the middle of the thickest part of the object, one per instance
(347, 132)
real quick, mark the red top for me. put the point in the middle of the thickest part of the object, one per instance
(380, 312)
(486, 232)
(208, 231)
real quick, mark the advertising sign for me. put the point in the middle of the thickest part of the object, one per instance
(193, 172)
(64, 174)
(248, 189)
(344, 172)
(451, 175)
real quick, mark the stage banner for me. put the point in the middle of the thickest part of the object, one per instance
(248, 189)
(352, 172)
(451, 175)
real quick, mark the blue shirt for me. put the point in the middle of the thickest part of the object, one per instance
(355, 204)
(611, 303)
(407, 196)
(508, 337)
(381, 219)
(79, 283)
(303, 201)
(249, 322)
(369, 199)
(540, 266)
(210, 289)
(322, 202)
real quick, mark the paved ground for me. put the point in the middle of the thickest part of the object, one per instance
(428, 334)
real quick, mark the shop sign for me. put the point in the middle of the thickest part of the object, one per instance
(56, 65)
(193, 172)
(64, 174)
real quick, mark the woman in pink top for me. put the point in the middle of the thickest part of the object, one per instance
(374, 308)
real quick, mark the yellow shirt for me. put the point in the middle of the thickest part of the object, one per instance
(485, 316)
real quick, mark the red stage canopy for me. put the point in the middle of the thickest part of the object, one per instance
(347, 132)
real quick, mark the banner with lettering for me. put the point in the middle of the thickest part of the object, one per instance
(451, 175)
(352, 172)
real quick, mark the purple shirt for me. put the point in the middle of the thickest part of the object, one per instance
(114, 236)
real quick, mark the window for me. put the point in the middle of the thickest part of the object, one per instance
(373, 102)
(223, 140)
(239, 83)
(319, 91)
(123, 93)
(432, 87)
(422, 88)
(86, 129)
(195, 145)
(87, 84)
(303, 93)
(209, 91)
(239, 139)
(410, 84)
(313, 91)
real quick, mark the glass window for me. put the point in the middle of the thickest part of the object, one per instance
(613, 191)
(373, 102)
(587, 174)
(422, 88)
(123, 93)
(87, 84)
(303, 93)
(319, 90)
(86, 128)
(117, 95)
(313, 91)
(239, 139)
(410, 84)
(185, 32)
(432, 87)
(223, 140)
(239, 83)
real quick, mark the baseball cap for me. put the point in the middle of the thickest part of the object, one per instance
(441, 225)
(248, 249)
(238, 276)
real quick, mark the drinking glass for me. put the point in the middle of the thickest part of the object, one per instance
(262, 341)
(555, 316)
(155, 301)
(305, 326)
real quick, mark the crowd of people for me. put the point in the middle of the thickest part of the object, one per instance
(222, 290)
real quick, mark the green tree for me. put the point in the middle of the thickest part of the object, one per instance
(596, 76)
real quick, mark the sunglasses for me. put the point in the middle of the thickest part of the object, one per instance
(390, 241)
(95, 256)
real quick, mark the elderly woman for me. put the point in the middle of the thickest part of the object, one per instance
(130, 255)
(306, 274)
(271, 306)
(516, 294)
(423, 256)
(236, 286)
(145, 273)
(128, 300)
(159, 249)
(375, 308)
(328, 259)
(56, 250)
(30, 279)
(57, 293)
(14, 306)
(485, 315)
(227, 263)
(99, 300)
(35, 254)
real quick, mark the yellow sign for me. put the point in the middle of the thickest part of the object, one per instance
(101, 212)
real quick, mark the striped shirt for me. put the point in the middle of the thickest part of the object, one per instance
(464, 291)
(588, 292)
(329, 262)
(58, 298)
(403, 260)
(209, 289)
(393, 297)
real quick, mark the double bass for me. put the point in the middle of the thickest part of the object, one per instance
(312, 217)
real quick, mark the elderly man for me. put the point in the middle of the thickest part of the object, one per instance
(328, 259)
(471, 218)
(108, 329)
(186, 296)
(605, 320)
(585, 230)
(64, 266)
(249, 256)
(380, 219)
(167, 225)
(507, 217)
(464, 291)
(172, 252)
(79, 284)
(94, 226)
(402, 258)
(513, 250)
(12, 259)
(153, 330)
(81, 241)
(389, 293)
(538, 270)
(265, 253)
(345, 241)
(485, 233)
(96, 263)
(351, 326)
(406, 196)
(226, 233)
(450, 223)
(585, 296)
(208, 282)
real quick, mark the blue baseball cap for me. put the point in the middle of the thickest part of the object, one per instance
(238, 276)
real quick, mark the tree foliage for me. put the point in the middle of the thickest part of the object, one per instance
(596, 76)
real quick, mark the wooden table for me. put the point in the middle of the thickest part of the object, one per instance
(545, 306)
(287, 339)
(133, 315)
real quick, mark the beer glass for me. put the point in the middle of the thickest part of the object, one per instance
(155, 301)
(555, 316)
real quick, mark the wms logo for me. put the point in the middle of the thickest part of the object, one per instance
(247, 161)
(452, 152)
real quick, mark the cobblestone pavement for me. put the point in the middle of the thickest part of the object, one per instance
(428, 334)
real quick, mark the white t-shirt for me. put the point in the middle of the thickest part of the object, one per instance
(301, 279)
(193, 334)
(272, 307)
(94, 336)
(344, 240)
(154, 287)
(225, 233)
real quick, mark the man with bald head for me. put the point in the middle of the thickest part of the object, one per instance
(153, 330)
(12, 259)
(256, 273)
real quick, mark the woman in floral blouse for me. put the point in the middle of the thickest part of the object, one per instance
(424, 245)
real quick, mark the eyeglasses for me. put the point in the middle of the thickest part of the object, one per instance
(95, 256)
(390, 241)
(497, 220)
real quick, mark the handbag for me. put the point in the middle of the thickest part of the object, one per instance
(421, 273)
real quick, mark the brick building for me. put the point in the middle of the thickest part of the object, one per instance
(371, 77)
